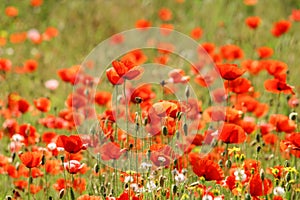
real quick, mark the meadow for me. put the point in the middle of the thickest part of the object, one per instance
(85, 117)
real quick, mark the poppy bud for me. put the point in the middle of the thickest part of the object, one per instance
(13, 156)
(43, 159)
(177, 134)
(293, 116)
(174, 189)
(164, 193)
(258, 149)
(30, 179)
(257, 137)
(163, 83)
(62, 158)
(96, 168)
(8, 198)
(247, 196)
(50, 198)
(149, 153)
(61, 193)
(178, 115)
(165, 130)
(262, 174)
(137, 126)
(228, 163)
(187, 92)
(287, 163)
(145, 121)
(162, 181)
(276, 182)
(185, 129)
(288, 176)
(220, 163)
(242, 157)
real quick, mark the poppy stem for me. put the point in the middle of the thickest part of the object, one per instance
(29, 182)
(126, 111)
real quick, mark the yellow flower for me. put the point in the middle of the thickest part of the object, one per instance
(233, 150)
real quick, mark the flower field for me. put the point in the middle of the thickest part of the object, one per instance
(149, 100)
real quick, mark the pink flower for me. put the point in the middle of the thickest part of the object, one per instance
(51, 84)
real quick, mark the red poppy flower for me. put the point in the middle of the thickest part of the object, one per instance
(277, 86)
(42, 104)
(144, 92)
(231, 52)
(203, 167)
(36, 3)
(295, 16)
(265, 52)
(30, 65)
(23, 105)
(275, 68)
(5, 64)
(230, 71)
(142, 23)
(113, 77)
(178, 76)
(196, 33)
(165, 14)
(252, 66)
(110, 151)
(69, 74)
(239, 85)
(281, 27)
(136, 57)
(253, 22)
(232, 133)
(259, 187)
(166, 29)
(161, 155)
(73, 166)
(102, 98)
(71, 144)
(282, 123)
(31, 159)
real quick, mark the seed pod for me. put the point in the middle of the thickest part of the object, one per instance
(165, 130)
(187, 92)
(138, 100)
(247, 196)
(61, 193)
(174, 189)
(287, 163)
(50, 198)
(185, 129)
(288, 176)
(96, 168)
(228, 163)
(258, 149)
(262, 174)
(8, 198)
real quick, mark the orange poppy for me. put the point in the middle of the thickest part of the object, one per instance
(232, 133)
(230, 71)
(166, 29)
(42, 104)
(143, 23)
(11, 11)
(252, 66)
(161, 155)
(102, 98)
(239, 85)
(36, 3)
(265, 52)
(253, 22)
(165, 14)
(281, 27)
(31, 159)
(71, 144)
(196, 33)
(114, 77)
(18, 37)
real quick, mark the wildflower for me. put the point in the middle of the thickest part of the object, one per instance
(31, 159)
(281, 27)
(71, 144)
(278, 191)
(73, 166)
(253, 22)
